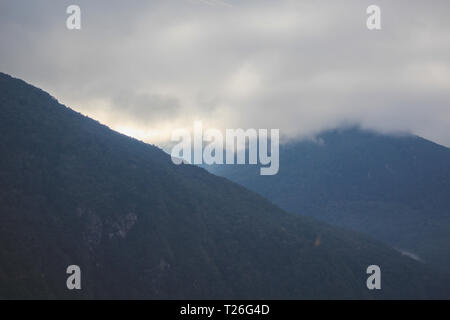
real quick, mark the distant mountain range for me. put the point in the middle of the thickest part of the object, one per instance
(74, 192)
(393, 188)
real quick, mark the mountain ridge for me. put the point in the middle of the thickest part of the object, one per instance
(393, 188)
(76, 192)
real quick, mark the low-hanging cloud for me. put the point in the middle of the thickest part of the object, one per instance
(148, 67)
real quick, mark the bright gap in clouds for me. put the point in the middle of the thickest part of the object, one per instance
(146, 68)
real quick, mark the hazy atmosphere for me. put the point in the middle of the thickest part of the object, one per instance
(145, 68)
(206, 150)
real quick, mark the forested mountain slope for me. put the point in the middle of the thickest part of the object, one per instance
(393, 188)
(74, 192)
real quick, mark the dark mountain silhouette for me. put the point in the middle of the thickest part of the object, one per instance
(394, 188)
(75, 192)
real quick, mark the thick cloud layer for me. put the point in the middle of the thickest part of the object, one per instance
(148, 67)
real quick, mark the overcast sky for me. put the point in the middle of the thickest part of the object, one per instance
(148, 67)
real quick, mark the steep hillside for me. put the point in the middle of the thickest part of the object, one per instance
(394, 188)
(75, 192)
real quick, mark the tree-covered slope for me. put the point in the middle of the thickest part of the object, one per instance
(75, 192)
(394, 188)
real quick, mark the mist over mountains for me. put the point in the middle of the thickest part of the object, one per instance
(75, 192)
(393, 188)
